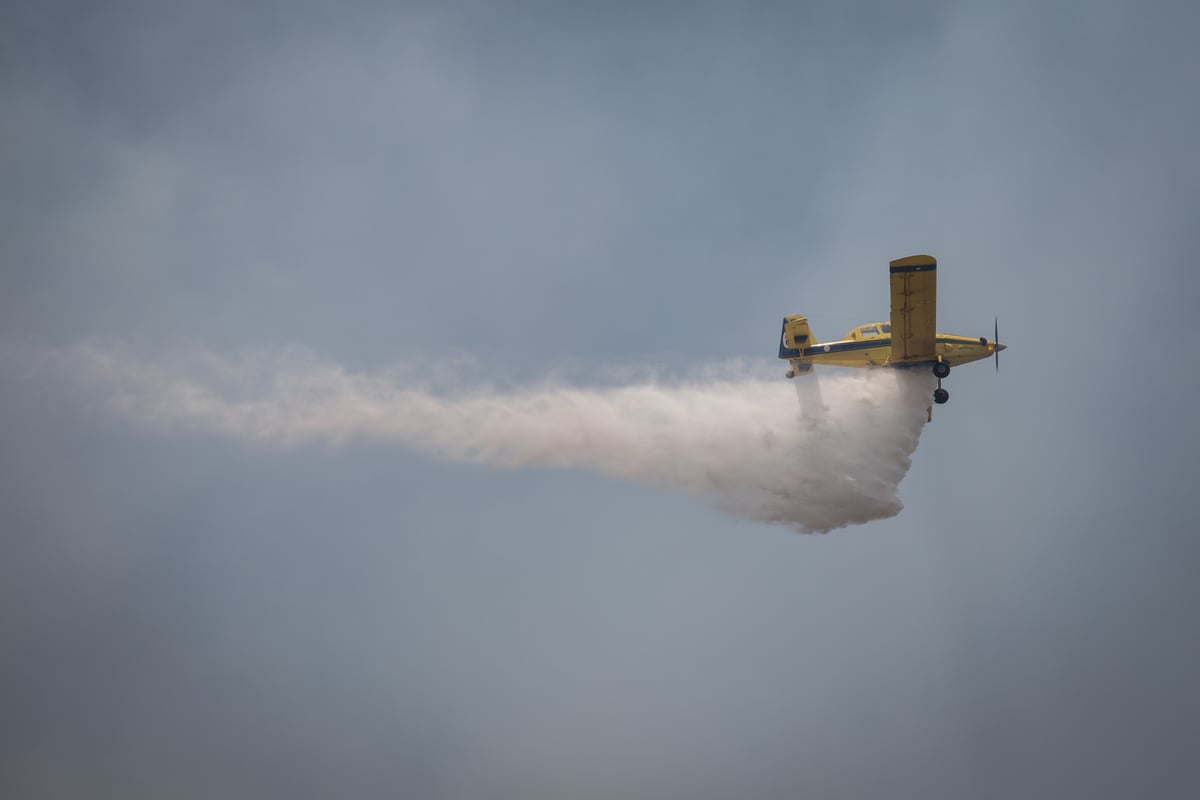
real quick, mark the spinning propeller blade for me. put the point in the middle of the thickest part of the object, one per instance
(996, 341)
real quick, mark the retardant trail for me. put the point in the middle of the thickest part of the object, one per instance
(816, 453)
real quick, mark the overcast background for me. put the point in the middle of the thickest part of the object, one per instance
(548, 188)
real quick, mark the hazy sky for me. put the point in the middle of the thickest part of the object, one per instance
(515, 193)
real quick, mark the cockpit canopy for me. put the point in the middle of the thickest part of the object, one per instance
(871, 331)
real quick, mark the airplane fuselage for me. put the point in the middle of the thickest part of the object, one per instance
(876, 351)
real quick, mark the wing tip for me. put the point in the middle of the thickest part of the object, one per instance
(917, 263)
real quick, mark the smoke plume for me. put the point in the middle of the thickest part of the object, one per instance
(817, 453)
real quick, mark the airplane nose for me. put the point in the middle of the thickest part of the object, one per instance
(1000, 347)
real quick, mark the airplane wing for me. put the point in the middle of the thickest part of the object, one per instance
(914, 309)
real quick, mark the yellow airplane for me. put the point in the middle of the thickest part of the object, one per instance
(908, 340)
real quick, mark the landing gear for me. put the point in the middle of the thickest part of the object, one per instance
(940, 369)
(799, 368)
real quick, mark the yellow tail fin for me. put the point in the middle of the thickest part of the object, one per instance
(795, 336)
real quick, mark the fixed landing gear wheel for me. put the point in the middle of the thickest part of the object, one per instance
(789, 374)
(940, 395)
(941, 369)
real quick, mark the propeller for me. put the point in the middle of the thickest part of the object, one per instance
(996, 341)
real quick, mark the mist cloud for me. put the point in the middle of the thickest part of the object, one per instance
(817, 454)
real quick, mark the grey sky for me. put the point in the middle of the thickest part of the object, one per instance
(580, 189)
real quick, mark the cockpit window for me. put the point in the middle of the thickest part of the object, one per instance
(887, 327)
(869, 330)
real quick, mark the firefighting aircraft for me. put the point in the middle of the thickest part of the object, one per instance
(909, 340)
